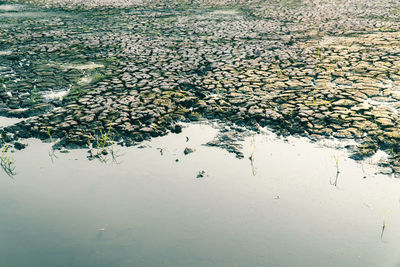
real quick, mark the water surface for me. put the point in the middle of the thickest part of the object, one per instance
(152, 210)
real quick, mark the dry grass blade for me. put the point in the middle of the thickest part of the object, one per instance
(337, 171)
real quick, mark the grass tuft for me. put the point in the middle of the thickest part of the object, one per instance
(7, 163)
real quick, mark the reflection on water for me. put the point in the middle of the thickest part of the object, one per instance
(152, 210)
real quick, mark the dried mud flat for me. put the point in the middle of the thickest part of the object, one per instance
(84, 72)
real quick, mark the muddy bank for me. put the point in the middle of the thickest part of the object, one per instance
(79, 72)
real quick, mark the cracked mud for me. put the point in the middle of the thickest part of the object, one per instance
(75, 70)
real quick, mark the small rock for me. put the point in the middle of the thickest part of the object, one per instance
(201, 174)
(188, 150)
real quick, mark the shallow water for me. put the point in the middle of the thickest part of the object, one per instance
(226, 12)
(151, 210)
(53, 95)
(24, 15)
(10, 7)
(5, 53)
(5, 121)
(89, 66)
(19, 11)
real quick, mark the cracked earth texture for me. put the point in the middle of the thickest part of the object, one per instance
(77, 69)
